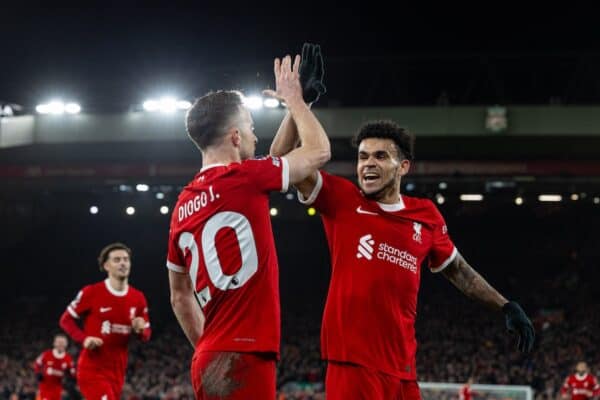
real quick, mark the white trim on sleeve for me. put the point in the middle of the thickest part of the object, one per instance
(147, 325)
(447, 262)
(316, 190)
(285, 175)
(175, 268)
(72, 312)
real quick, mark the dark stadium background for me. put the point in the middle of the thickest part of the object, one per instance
(113, 56)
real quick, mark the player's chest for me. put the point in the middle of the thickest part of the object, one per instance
(121, 310)
(380, 235)
(582, 384)
(56, 363)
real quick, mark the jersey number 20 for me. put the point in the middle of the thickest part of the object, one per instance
(219, 279)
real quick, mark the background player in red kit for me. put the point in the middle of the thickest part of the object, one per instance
(378, 239)
(581, 385)
(466, 392)
(51, 367)
(110, 311)
(221, 247)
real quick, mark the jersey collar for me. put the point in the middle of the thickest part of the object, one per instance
(209, 166)
(392, 207)
(57, 355)
(119, 293)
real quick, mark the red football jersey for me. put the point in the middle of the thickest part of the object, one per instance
(465, 393)
(376, 255)
(581, 387)
(107, 314)
(221, 236)
(53, 367)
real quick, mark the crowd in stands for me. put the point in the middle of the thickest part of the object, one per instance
(458, 338)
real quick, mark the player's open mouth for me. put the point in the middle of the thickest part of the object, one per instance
(369, 177)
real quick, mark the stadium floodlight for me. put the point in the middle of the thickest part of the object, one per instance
(289, 196)
(596, 200)
(311, 211)
(151, 105)
(253, 102)
(56, 107)
(168, 105)
(410, 187)
(94, 210)
(574, 197)
(273, 211)
(550, 197)
(72, 108)
(443, 185)
(440, 199)
(164, 210)
(271, 103)
(42, 109)
(471, 197)
(183, 105)
(160, 195)
(518, 200)
(142, 187)
(130, 210)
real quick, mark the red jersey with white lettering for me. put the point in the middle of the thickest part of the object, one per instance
(581, 387)
(376, 255)
(53, 367)
(107, 314)
(221, 236)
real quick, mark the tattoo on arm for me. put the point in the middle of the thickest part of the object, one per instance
(472, 284)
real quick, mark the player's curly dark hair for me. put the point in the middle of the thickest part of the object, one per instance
(209, 116)
(387, 129)
(105, 252)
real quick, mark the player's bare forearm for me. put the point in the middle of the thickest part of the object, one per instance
(472, 284)
(190, 321)
(286, 138)
(185, 307)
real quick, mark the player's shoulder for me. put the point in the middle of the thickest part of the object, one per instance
(135, 292)
(93, 287)
(419, 204)
(338, 182)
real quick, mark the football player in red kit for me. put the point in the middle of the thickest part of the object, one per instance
(51, 367)
(466, 392)
(378, 240)
(581, 385)
(109, 311)
(222, 262)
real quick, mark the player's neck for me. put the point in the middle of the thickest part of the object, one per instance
(57, 353)
(220, 156)
(118, 285)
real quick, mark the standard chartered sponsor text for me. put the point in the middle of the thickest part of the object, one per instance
(396, 256)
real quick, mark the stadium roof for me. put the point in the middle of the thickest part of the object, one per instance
(111, 56)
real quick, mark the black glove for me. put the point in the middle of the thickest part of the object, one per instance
(312, 72)
(39, 377)
(518, 322)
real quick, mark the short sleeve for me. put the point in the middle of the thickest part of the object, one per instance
(442, 251)
(268, 174)
(81, 304)
(327, 193)
(175, 261)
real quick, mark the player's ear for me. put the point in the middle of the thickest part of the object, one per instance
(236, 138)
(404, 167)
